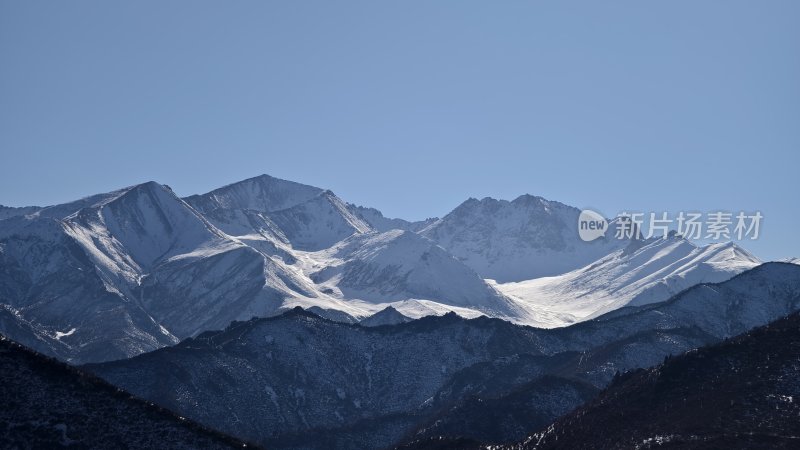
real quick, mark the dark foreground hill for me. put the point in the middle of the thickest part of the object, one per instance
(743, 393)
(47, 404)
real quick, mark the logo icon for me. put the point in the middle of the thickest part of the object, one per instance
(591, 225)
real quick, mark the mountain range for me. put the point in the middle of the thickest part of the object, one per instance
(275, 381)
(118, 274)
(283, 315)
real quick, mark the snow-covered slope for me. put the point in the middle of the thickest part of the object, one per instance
(319, 222)
(644, 272)
(280, 212)
(526, 238)
(63, 210)
(128, 272)
(397, 266)
(262, 193)
(752, 298)
(62, 303)
(242, 209)
(149, 224)
(188, 275)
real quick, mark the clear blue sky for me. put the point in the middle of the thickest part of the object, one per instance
(412, 107)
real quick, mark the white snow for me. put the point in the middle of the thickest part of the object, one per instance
(398, 266)
(60, 334)
(646, 272)
(318, 223)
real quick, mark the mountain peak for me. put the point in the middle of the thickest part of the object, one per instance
(527, 238)
(386, 316)
(262, 193)
(537, 201)
(147, 186)
(150, 222)
(524, 202)
(328, 193)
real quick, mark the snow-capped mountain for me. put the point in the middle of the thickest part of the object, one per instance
(319, 222)
(526, 238)
(142, 227)
(276, 380)
(643, 272)
(124, 272)
(117, 274)
(305, 217)
(133, 271)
